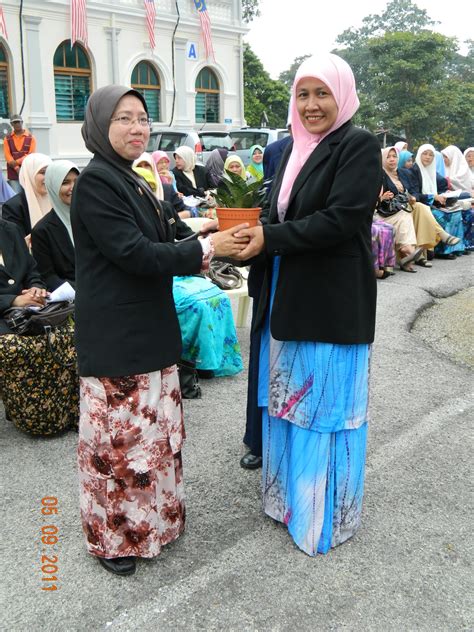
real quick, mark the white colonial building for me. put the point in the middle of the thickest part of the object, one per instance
(49, 83)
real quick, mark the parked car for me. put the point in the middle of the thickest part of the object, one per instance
(247, 136)
(202, 143)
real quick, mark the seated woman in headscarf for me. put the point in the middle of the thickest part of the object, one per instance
(204, 310)
(146, 167)
(27, 207)
(40, 395)
(162, 162)
(52, 240)
(469, 156)
(428, 230)
(427, 186)
(459, 177)
(191, 179)
(215, 165)
(255, 166)
(235, 165)
(405, 160)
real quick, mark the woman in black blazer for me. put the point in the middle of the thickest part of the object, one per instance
(191, 179)
(20, 282)
(52, 239)
(128, 339)
(317, 311)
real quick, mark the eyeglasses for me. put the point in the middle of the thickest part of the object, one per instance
(126, 121)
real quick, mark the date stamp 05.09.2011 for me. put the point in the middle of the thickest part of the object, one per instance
(49, 539)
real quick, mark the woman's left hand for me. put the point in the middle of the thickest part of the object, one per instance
(255, 245)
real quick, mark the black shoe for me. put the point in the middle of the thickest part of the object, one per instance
(119, 565)
(205, 374)
(250, 461)
(450, 256)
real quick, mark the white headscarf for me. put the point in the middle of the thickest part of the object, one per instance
(458, 170)
(38, 205)
(428, 174)
(54, 179)
(189, 157)
(146, 157)
(471, 169)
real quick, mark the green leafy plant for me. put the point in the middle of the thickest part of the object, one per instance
(236, 193)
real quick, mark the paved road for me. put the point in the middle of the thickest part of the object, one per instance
(408, 568)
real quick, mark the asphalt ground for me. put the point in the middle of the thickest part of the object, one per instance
(409, 567)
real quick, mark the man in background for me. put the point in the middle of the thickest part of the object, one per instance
(16, 146)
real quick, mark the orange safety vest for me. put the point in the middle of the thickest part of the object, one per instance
(12, 174)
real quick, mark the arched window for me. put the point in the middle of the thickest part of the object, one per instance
(146, 80)
(4, 85)
(207, 97)
(72, 81)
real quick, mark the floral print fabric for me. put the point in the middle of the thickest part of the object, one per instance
(40, 393)
(383, 245)
(129, 455)
(315, 411)
(207, 326)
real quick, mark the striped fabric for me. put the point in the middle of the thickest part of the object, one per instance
(150, 21)
(205, 27)
(78, 22)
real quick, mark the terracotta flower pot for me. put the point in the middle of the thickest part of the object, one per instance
(229, 217)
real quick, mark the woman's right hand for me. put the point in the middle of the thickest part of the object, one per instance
(440, 199)
(226, 244)
(388, 195)
(24, 300)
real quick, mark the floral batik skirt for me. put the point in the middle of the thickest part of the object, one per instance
(130, 470)
(315, 400)
(452, 223)
(38, 381)
(207, 326)
(383, 245)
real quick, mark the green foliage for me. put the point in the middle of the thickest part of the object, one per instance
(288, 76)
(262, 93)
(250, 10)
(236, 193)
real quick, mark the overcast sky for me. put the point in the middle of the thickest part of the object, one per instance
(289, 28)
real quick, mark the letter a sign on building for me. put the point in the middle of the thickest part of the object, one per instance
(192, 51)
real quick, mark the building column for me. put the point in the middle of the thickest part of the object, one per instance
(239, 56)
(181, 114)
(38, 122)
(112, 34)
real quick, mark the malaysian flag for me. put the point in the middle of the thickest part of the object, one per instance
(78, 22)
(205, 27)
(3, 26)
(150, 21)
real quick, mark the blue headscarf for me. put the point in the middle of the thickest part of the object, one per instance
(440, 168)
(403, 157)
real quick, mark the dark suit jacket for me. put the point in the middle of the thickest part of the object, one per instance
(184, 185)
(53, 251)
(326, 289)
(416, 184)
(16, 210)
(272, 156)
(19, 271)
(173, 198)
(126, 322)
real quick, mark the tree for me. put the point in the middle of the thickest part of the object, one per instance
(287, 76)
(262, 93)
(250, 10)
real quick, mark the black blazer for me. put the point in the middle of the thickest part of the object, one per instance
(173, 198)
(19, 271)
(16, 210)
(53, 251)
(326, 289)
(184, 185)
(126, 322)
(416, 184)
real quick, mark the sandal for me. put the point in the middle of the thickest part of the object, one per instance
(424, 263)
(452, 240)
(415, 255)
(406, 268)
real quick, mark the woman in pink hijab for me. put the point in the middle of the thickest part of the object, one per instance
(317, 311)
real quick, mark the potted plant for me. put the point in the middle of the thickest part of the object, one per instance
(238, 201)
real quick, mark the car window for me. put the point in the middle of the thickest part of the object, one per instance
(213, 141)
(283, 134)
(153, 142)
(245, 140)
(171, 141)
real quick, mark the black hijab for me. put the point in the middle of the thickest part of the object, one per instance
(95, 132)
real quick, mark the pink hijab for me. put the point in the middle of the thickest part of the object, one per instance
(338, 76)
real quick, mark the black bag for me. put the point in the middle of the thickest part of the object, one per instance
(399, 202)
(24, 320)
(225, 275)
(189, 380)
